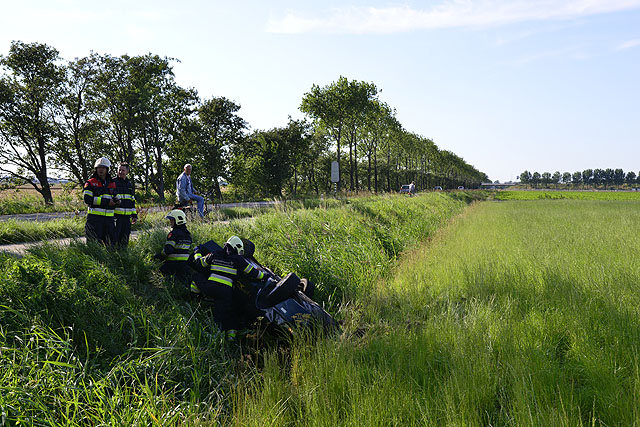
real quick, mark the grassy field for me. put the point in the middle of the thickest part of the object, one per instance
(91, 336)
(573, 195)
(519, 313)
(515, 313)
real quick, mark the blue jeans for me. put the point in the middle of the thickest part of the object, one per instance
(200, 201)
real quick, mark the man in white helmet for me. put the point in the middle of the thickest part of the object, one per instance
(185, 191)
(101, 197)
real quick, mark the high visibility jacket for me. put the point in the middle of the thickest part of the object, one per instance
(224, 268)
(178, 244)
(125, 192)
(97, 194)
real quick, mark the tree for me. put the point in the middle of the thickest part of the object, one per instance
(631, 177)
(555, 179)
(28, 100)
(587, 176)
(329, 105)
(525, 177)
(566, 178)
(79, 142)
(536, 178)
(220, 130)
(576, 178)
(268, 158)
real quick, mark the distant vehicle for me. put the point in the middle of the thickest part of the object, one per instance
(405, 189)
(460, 187)
(437, 187)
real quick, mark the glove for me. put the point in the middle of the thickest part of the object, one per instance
(209, 258)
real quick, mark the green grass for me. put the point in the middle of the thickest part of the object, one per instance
(520, 313)
(93, 336)
(577, 195)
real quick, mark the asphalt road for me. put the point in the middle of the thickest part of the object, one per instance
(48, 216)
(20, 248)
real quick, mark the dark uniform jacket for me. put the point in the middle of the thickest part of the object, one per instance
(178, 245)
(224, 267)
(97, 194)
(125, 192)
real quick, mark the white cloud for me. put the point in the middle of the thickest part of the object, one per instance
(448, 14)
(628, 44)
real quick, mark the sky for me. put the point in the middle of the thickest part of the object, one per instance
(540, 85)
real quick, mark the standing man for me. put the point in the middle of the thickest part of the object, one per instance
(412, 188)
(126, 213)
(100, 195)
(185, 191)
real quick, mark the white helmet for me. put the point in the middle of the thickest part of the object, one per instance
(178, 216)
(236, 243)
(102, 161)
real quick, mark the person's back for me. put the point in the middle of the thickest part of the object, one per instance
(177, 247)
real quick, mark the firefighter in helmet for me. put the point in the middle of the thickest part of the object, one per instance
(101, 196)
(177, 247)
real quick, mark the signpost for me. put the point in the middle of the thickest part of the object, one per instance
(335, 176)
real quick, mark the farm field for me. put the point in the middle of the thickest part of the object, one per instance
(500, 313)
(519, 313)
(574, 195)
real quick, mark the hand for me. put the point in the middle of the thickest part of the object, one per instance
(134, 220)
(112, 203)
(209, 259)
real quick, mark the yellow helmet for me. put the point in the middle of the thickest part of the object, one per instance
(178, 216)
(236, 243)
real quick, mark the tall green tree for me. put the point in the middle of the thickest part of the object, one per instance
(29, 95)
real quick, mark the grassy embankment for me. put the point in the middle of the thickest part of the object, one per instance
(88, 336)
(520, 313)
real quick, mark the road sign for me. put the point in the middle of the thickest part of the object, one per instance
(335, 171)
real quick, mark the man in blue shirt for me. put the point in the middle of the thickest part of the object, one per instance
(185, 191)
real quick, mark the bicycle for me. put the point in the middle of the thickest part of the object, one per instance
(191, 210)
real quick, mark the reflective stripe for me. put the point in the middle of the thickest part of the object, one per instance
(126, 197)
(194, 288)
(184, 246)
(260, 275)
(221, 279)
(88, 193)
(199, 257)
(97, 200)
(170, 243)
(99, 211)
(224, 269)
(125, 211)
(177, 257)
(248, 269)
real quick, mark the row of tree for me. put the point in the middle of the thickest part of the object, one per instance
(587, 177)
(63, 115)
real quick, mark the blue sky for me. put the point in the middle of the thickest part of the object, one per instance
(507, 85)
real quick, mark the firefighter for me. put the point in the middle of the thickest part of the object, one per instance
(224, 267)
(126, 213)
(177, 247)
(101, 197)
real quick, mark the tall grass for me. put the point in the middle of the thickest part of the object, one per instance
(519, 314)
(93, 336)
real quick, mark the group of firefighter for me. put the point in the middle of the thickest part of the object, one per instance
(112, 210)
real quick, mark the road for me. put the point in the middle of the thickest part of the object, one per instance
(48, 216)
(21, 248)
